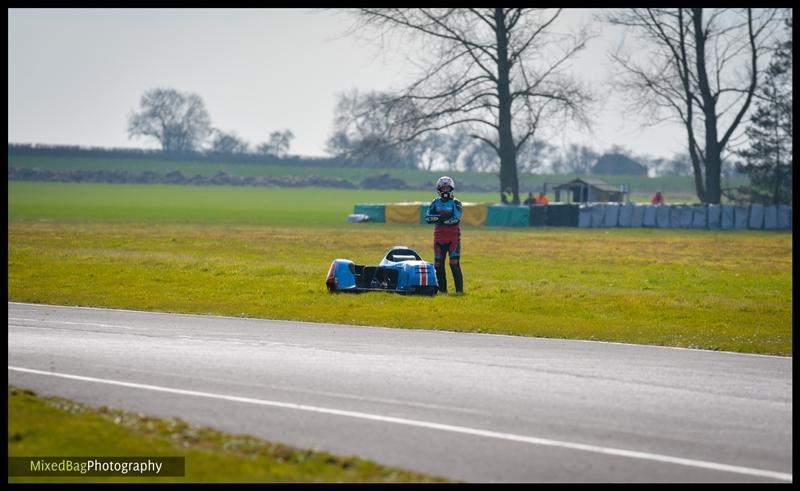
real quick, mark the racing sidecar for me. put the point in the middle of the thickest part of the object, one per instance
(401, 270)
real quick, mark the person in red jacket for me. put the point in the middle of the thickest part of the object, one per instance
(658, 199)
(445, 212)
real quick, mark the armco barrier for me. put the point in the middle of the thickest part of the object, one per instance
(376, 212)
(770, 218)
(626, 215)
(756, 217)
(649, 216)
(784, 217)
(686, 216)
(662, 215)
(637, 216)
(538, 215)
(584, 216)
(612, 215)
(473, 213)
(741, 214)
(699, 216)
(508, 216)
(714, 215)
(562, 215)
(674, 216)
(407, 212)
(596, 215)
(727, 214)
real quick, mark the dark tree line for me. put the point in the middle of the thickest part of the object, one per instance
(39, 150)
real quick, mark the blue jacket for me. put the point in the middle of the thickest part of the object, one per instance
(448, 226)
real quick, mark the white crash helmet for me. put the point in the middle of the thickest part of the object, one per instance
(445, 181)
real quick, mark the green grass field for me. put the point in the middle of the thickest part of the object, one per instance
(301, 207)
(52, 426)
(677, 189)
(264, 252)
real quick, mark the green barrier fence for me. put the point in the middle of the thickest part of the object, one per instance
(376, 212)
(508, 216)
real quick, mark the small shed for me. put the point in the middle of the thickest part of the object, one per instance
(589, 191)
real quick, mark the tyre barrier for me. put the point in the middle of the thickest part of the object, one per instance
(596, 215)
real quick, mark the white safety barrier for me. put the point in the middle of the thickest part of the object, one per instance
(699, 216)
(584, 216)
(625, 215)
(662, 216)
(740, 216)
(598, 215)
(637, 215)
(784, 217)
(612, 215)
(728, 212)
(770, 218)
(756, 217)
(695, 216)
(675, 216)
(714, 216)
(649, 216)
(686, 216)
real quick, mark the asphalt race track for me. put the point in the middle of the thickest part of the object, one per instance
(469, 407)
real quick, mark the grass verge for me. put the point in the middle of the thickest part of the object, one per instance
(53, 426)
(689, 288)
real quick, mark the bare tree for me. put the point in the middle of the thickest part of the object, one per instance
(227, 143)
(278, 144)
(576, 159)
(499, 72)
(369, 128)
(701, 68)
(177, 120)
(434, 149)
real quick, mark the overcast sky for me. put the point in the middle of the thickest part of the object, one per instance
(74, 75)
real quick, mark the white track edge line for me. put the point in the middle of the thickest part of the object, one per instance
(436, 426)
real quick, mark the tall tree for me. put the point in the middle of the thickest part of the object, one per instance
(692, 73)
(227, 143)
(499, 72)
(178, 121)
(278, 144)
(768, 160)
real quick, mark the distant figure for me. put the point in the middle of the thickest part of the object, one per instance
(658, 199)
(542, 200)
(530, 200)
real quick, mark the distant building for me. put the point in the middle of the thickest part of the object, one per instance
(589, 191)
(616, 164)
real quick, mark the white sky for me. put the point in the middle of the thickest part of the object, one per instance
(74, 75)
